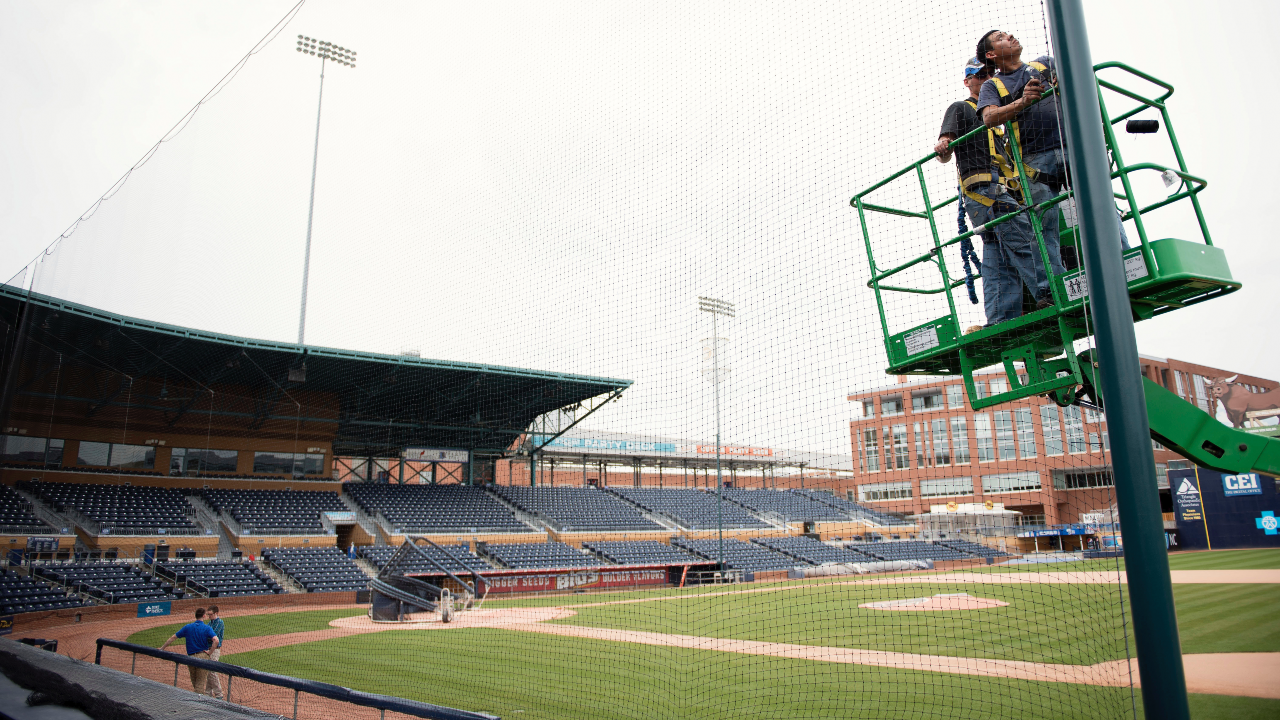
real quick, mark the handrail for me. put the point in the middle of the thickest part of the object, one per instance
(313, 687)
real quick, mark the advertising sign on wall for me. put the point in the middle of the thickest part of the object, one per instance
(1223, 510)
(574, 580)
(154, 609)
(436, 455)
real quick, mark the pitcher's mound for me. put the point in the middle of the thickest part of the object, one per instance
(949, 601)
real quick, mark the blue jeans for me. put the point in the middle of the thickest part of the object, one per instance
(1013, 260)
(1051, 162)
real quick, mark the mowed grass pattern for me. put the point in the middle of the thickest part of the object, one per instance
(1259, 559)
(254, 625)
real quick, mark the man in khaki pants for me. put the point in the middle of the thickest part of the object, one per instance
(215, 624)
(200, 641)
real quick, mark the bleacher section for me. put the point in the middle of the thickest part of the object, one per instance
(19, 594)
(16, 516)
(739, 555)
(694, 509)
(521, 556)
(435, 508)
(852, 509)
(318, 569)
(910, 550)
(973, 548)
(791, 507)
(113, 583)
(220, 579)
(641, 552)
(812, 551)
(577, 509)
(275, 512)
(120, 509)
(379, 556)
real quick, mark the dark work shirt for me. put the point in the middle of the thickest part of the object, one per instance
(972, 155)
(1037, 125)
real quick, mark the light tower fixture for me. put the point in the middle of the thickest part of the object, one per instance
(325, 50)
(717, 308)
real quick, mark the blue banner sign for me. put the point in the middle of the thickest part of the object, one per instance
(154, 609)
(1248, 484)
(1054, 532)
(597, 444)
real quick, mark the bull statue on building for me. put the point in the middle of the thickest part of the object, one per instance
(1239, 402)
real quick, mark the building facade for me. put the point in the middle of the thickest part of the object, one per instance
(918, 443)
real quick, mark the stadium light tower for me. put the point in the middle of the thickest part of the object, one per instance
(717, 308)
(325, 50)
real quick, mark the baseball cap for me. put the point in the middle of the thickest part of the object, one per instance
(973, 67)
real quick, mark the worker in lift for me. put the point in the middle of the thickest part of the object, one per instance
(1009, 254)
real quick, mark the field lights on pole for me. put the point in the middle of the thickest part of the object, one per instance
(325, 50)
(717, 308)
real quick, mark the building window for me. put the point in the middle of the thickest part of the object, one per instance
(960, 440)
(1202, 399)
(22, 449)
(201, 461)
(1010, 482)
(1081, 479)
(979, 389)
(1004, 435)
(927, 400)
(1052, 430)
(999, 385)
(986, 443)
(921, 450)
(131, 457)
(1177, 379)
(941, 453)
(900, 490)
(1025, 520)
(1162, 475)
(1155, 445)
(946, 488)
(1106, 441)
(955, 396)
(1179, 464)
(1075, 430)
(891, 405)
(1095, 443)
(869, 408)
(901, 453)
(1026, 433)
(871, 442)
(295, 464)
(1091, 416)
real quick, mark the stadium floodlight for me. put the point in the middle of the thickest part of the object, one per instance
(325, 50)
(717, 308)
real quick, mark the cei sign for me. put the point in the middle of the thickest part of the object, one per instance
(1248, 484)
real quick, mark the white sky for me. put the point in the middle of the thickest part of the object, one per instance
(551, 185)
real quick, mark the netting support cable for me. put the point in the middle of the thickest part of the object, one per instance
(1164, 690)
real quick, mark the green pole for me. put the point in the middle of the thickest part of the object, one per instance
(1155, 627)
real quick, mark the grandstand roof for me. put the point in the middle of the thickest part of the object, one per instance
(384, 402)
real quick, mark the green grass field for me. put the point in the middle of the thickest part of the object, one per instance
(530, 675)
(1260, 559)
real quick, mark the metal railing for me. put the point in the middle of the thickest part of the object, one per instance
(383, 703)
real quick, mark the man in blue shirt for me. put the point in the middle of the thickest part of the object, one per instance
(200, 640)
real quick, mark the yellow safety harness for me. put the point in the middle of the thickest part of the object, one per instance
(1017, 133)
(998, 160)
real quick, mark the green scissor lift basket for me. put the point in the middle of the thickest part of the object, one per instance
(1164, 275)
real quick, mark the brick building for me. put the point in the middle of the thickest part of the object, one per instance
(917, 443)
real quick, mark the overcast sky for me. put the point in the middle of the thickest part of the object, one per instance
(551, 185)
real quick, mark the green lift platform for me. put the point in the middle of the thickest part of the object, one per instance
(1037, 350)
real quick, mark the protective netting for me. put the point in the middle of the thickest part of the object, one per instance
(539, 206)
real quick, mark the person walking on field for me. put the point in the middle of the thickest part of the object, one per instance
(200, 639)
(215, 624)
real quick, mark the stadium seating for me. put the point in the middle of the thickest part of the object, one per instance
(113, 583)
(693, 509)
(791, 507)
(220, 579)
(812, 551)
(575, 509)
(318, 569)
(973, 548)
(910, 550)
(540, 555)
(120, 509)
(16, 516)
(275, 512)
(641, 552)
(19, 594)
(852, 509)
(379, 556)
(739, 555)
(435, 508)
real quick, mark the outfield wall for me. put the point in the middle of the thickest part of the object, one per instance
(180, 610)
